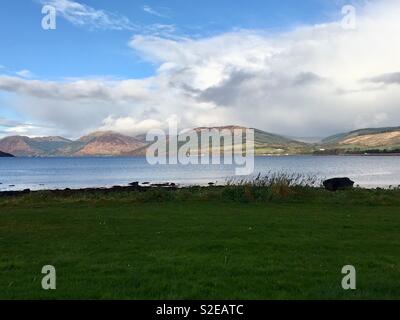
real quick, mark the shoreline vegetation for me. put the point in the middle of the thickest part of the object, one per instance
(275, 237)
(269, 181)
(170, 192)
(255, 187)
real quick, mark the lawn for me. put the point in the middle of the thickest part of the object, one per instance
(201, 245)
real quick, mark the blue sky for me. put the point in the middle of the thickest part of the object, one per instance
(283, 66)
(71, 51)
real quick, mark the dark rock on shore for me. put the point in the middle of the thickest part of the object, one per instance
(164, 185)
(338, 184)
(134, 184)
(133, 187)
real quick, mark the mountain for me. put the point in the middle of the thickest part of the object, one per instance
(108, 143)
(25, 146)
(387, 138)
(5, 155)
(95, 144)
(269, 143)
(265, 143)
(17, 145)
(357, 133)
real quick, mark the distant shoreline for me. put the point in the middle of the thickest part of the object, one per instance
(256, 156)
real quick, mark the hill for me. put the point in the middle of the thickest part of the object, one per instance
(265, 143)
(108, 143)
(25, 146)
(19, 146)
(95, 144)
(269, 143)
(371, 139)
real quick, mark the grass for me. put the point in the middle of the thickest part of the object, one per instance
(238, 242)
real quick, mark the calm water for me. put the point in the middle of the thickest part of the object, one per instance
(52, 173)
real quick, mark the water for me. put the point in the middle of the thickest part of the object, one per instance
(53, 173)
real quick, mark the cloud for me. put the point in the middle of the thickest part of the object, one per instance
(92, 90)
(387, 78)
(129, 125)
(80, 106)
(24, 74)
(161, 30)
(9, 123)
(153, 12)
(304, 82)
(83, 15)
(12, 127)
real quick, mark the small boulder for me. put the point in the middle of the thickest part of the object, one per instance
(338, 184)
(134, 184)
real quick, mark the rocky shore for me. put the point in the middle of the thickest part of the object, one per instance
(132, 187)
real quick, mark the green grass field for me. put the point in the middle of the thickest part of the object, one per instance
(232, 243)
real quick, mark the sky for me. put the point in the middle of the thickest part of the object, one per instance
(297, 68)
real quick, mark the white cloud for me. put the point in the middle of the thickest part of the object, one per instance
(129, 125)
(24, 73)
(154, 12)
(307, 81)
(12, 127)
(310, 81)
(84, 15)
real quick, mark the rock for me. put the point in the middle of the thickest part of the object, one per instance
(163, 185)
(338, 184)
(134, 184)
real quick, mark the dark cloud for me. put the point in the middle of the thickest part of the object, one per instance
(9, 123)
(307, 78)
(255, 84)
(386, 78)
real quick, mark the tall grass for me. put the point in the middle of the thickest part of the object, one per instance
(278, 178)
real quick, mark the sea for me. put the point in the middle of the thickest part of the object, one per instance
(60, 173)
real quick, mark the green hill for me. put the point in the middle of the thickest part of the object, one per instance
(370, 140)
(356, 133)
(269, 143)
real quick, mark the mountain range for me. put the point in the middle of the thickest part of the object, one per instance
(108, 143)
